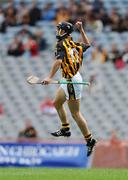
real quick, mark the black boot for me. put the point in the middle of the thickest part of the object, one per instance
(62, 132)
(90, 146)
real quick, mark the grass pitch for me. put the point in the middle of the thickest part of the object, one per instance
(62, 174)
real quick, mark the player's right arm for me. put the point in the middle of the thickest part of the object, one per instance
(54, 69)
(59, 54)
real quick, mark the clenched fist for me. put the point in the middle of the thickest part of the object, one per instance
(79, 25)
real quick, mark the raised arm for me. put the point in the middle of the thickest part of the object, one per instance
(83, 34)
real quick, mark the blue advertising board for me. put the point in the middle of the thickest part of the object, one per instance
(43, 155)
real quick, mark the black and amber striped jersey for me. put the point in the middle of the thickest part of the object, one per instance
(71, 54)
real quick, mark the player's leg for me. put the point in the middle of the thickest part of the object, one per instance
(59, 101)
(74, 106)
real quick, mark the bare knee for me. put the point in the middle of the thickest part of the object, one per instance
(57, 105)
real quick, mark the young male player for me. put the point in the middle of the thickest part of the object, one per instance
(69, 56)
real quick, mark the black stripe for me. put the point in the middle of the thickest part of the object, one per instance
(65, 124)
(78, 65)
(88, 136)
(71, 92)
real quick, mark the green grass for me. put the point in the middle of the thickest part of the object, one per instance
(62, 174)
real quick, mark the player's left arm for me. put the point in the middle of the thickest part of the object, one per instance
(83, 34)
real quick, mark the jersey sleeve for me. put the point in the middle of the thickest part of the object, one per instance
(84, 46)
(60, 52)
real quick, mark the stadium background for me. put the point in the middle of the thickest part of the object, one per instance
(27, 42)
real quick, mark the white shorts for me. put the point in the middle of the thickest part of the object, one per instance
(73, 91)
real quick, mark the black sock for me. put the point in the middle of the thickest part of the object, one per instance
(88, 137)
(66, 126)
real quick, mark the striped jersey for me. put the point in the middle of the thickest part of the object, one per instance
(71, 54)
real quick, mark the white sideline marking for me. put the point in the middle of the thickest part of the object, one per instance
(32, 173)
(21, 174)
